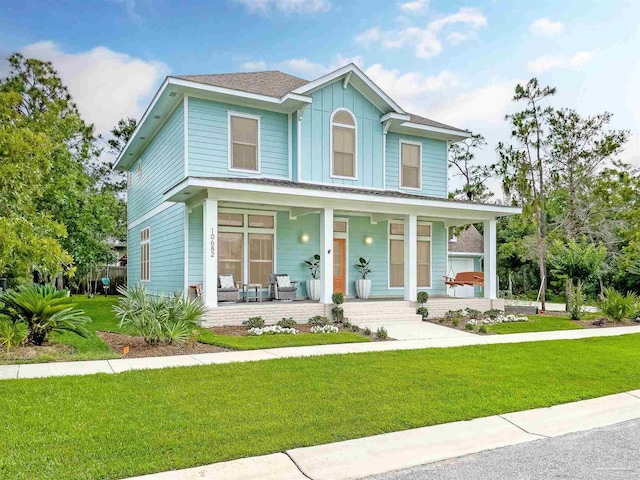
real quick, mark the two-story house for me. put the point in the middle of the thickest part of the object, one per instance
(253, 173)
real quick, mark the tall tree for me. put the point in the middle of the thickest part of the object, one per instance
(578, 147)
(68, 190)
(462, 162)
(522, 166)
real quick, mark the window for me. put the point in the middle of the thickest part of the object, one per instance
(339, 226)
(343, 150)
(260, 257)
(396, 255)
(246, 246)
(244, 142)
(230, 247)
(128, 179)
(410, 154)
(145, 258)
(139, 168)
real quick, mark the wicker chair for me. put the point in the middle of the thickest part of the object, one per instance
(228, 294)
(281, 293)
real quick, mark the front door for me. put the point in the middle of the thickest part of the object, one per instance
(339, 267)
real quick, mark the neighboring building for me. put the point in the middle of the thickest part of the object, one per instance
(466, 251)
(253, 173)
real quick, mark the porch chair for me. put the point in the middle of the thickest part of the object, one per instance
(281, 287)
(228, 290)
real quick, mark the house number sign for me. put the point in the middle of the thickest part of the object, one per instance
(212, 243)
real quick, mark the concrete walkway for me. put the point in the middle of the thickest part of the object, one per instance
(57, 369)
(375, 455)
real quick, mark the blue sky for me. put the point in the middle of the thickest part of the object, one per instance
(454, 61)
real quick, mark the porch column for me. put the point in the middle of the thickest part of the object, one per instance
(411, 257)
(210, 249)
(490, 265)
(326, 255)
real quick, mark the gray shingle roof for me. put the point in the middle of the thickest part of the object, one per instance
(330, 188)
(271, 83)
(431, 123)
(274, 83)
(470, 240)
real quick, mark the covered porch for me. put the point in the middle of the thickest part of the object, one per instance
(254, 228)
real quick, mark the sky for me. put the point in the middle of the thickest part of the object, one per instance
(453, 61)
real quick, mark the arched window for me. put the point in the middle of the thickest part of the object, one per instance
(344, 139)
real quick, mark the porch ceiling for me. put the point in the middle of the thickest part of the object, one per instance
(284, 195)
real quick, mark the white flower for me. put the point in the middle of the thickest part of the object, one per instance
(271, 330)
(324, 329)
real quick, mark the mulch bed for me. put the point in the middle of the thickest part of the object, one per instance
(608, 324)
(241, 331)
(138, 348)
(463, 322)
(28, 352)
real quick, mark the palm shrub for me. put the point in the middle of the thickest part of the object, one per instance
(171, 319)
(616, 305)
(43, 309)
(12, 333)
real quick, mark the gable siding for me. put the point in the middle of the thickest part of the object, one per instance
(208, 138)
(434, 164)
(162, 167)
(316, 137)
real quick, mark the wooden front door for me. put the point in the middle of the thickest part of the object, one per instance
(339, 264)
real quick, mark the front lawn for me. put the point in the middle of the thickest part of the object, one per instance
(115, 426)
(276, 341)
(536, 323)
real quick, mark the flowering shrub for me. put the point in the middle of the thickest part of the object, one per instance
(271, 330)
(498, 319)
(324, 329)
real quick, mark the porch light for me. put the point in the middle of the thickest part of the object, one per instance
(368, 240)
(304, 238)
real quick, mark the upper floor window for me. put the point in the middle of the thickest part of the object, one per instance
(244, 142)
(410, 171)
(343, 150)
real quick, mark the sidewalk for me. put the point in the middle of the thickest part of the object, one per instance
(362, 457)
(57, 369)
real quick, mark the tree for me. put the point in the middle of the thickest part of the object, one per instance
(576, 261)
(522, 166)
(461, 160)
(578, 147)
(66, 190)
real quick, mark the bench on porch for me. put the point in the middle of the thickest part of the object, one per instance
(473, 279)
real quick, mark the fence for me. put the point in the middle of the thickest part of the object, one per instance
(116, 275)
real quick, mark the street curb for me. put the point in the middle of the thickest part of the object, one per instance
(362, 457)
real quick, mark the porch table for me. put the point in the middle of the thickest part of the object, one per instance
(252, 291)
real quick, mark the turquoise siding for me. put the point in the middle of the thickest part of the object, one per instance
(291, 253)
(294, 146)
(166, 252)
(316, 144)
(196, 256)
(162, 167)
(208, 139)
(434, 164)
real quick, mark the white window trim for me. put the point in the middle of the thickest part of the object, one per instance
(401, 237)
(246, 230)
(345, 236)
(230, 143)
(145, 242)
(400, 180)
(355, 155)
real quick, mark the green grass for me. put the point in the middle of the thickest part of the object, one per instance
(276, 341)
(536, 323)
(115, 426)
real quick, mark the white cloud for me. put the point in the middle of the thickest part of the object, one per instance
(312, 70)
(106, 85)
(550, 62)
(545, 26)
(255, 66)
(130, 8)
(415, 6)
(427, 40)
(266, 7)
